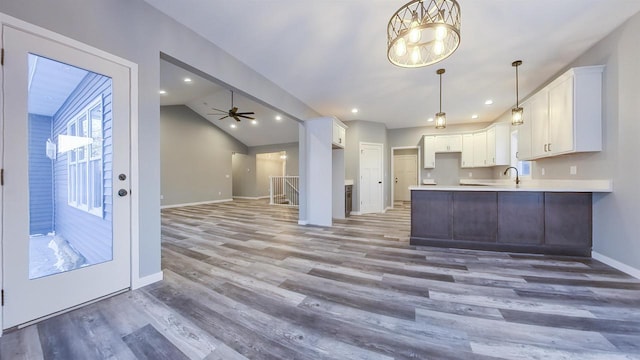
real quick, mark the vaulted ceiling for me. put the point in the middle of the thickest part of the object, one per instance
(331, 54)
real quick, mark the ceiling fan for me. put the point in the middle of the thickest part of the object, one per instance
(233, 112)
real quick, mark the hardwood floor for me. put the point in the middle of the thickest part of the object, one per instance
(244, 280)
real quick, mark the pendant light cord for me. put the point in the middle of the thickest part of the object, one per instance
(440, 92)
(517, 95)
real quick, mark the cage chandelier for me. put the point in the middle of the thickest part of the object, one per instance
(423, 32)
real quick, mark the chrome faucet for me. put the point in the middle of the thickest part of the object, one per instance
(516, 169)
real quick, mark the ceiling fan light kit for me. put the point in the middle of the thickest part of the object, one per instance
(423, 32)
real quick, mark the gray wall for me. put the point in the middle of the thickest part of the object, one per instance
(134, 30)
(245, 172)
(616, 215)
(369, 132)
(195, 157)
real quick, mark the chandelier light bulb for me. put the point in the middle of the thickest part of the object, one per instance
(438, 47)
(441, 33)
(415, 55)
(415, 33)
(401, 47)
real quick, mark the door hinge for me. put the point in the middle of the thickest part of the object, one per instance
(2, 56)
(1, 177)
(2, 297)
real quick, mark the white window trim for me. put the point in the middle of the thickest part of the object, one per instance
(85, 113)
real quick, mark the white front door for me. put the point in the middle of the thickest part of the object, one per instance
(371, 178)
(405, 173)
(66, 234)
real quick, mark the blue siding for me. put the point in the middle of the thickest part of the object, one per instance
(88, 233)
(40, 176)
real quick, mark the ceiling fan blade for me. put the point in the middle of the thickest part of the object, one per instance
(245, 116)
(224, 117)
(246, 113)
(237, 119)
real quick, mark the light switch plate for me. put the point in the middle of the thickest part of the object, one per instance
(573, 170)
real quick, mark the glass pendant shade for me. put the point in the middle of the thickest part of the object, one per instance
(441, 120)
(516, 116)
(423, 32)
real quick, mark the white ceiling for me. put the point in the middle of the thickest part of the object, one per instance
(331, 54)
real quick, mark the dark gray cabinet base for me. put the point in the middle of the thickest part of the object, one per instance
(531, 222)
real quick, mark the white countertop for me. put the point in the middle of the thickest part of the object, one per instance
(598, 186)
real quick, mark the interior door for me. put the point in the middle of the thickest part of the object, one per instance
(371, 176)
(405, 173)
(65, 204)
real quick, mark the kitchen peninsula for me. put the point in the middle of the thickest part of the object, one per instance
(551, 217)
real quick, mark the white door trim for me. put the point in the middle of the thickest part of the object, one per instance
(392, 166)
(361, 144)
(10, 21)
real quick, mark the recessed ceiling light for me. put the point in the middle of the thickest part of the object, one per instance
(488, 102)
(233, 126)
(278, 117)
(430, 119)
(254, 122)
(354, 110)
(187, 80)
(162, 92)
(474, 116)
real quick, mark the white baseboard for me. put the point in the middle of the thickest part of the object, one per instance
(387, 208)
(147, 280)
(195, 203)
(616, 264)
(303, 222)
(251, 197)
(356, 213)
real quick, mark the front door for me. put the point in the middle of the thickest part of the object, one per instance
(405, 173)
(371, 190)
(65, 205)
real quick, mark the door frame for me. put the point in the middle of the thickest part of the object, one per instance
(393, 149)
(6, 20)
(381, 146)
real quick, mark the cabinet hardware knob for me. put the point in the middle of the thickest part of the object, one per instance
(122, 192)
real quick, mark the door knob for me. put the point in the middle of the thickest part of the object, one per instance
(122, 177)
(122, 192)
(379, 182)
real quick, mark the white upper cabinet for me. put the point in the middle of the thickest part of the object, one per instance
(466, 160)
(524, 134)
(480, 149)
(429, 148)
(498, 144)
(448, 143)
(566, 116)
(339, 134)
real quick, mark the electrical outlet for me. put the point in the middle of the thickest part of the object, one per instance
(542, 171)
(227, 176)
(429, 175)
(161, 197)
(573, 170)
(470, 174)
(219, 192)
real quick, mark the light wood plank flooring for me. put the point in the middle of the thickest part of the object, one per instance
(243, 280)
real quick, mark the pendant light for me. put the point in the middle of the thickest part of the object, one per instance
(517, 112)
(441, 118)
(423, 32)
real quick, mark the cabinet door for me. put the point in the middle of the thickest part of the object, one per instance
(561, 117)
(480, 149)
(441, 143)
(338, 135)
(539, 105)
(467, 151)
(491, 146)
(455, 143)
(429, 144)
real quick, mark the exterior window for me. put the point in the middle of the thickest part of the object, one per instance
(84, 138)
